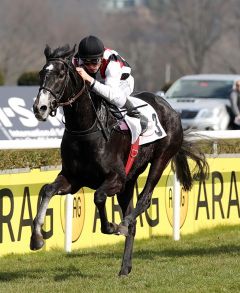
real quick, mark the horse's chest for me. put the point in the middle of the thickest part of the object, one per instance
(84, 161)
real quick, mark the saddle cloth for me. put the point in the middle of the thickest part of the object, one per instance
(154, 131)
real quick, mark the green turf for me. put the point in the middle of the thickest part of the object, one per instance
(203, 262)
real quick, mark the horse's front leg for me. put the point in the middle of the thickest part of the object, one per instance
(112, 185)
(125, 200)
(59, 186)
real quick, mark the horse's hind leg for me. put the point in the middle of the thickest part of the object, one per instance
(144, 199)
(59, 186)
(126, 203)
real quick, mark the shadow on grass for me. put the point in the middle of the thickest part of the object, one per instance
(165, 248)
(57, 274)
(148, 253)
(71, 271)
(175, 252)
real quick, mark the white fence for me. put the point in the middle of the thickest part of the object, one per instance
(55, 143)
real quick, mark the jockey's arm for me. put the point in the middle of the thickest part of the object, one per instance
(111, 89)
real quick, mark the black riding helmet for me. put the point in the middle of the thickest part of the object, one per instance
(90, 47)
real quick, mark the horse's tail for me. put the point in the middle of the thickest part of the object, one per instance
(190, 149)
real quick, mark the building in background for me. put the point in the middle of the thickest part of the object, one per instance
(116, 5)
(122, 4)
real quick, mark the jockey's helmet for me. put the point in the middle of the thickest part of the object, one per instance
(90, 47)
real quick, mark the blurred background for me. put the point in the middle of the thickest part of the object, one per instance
(161, 39)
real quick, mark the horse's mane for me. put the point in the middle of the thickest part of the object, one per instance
(60, 52)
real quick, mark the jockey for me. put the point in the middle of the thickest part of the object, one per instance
(108, 74)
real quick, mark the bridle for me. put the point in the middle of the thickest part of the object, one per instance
(89, 133)
(57, 96)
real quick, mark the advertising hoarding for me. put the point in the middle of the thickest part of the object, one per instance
(209, 203)
(17, 120)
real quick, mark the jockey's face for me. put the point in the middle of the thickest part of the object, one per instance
(92, 66)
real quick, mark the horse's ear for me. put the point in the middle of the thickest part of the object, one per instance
(47, 51)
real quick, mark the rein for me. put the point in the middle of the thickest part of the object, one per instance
(105, 133)
(73, 98)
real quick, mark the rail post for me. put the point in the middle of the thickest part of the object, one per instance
(68, 222)
(176, 208)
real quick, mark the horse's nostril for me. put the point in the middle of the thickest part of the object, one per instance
(43, 108)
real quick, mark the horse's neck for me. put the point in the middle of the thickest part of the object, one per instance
(80, 115)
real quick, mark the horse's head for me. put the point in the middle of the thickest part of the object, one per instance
(58, 81)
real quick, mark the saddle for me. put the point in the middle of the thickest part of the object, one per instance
(122, 127)
(132, 112)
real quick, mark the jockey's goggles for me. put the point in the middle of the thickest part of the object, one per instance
(94, 61)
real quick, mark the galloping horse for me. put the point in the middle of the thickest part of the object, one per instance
(94, 152)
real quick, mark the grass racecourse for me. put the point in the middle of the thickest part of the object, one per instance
(205, 262)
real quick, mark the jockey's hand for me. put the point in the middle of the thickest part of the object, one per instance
(85, 76)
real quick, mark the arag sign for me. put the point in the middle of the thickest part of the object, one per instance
(17, 120)
(169, 198)
(78, 214)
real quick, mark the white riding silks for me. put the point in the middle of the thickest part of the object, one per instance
(114, 89)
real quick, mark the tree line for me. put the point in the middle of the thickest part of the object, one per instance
(162, 40)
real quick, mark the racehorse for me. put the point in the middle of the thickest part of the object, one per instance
(94, 151)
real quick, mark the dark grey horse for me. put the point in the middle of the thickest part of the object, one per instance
(94, 152)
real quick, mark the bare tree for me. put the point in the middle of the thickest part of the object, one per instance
(22, 30)
(195, 28)
(225, 56)
(191, 35)
(25, 29)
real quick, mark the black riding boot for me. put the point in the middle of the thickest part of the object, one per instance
(132, 111)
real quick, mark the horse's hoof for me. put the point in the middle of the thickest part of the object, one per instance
(110, 229)
(122, 230)
(36, 242)
(124, 272)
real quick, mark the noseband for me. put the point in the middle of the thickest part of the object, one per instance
(57, 96)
